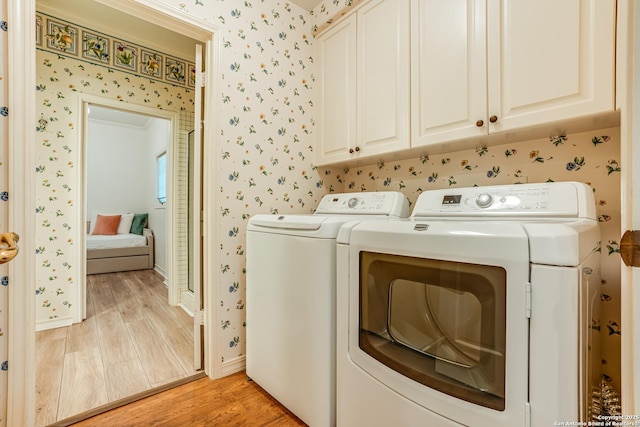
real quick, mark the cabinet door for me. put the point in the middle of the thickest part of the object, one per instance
(383, 77)
(549, 60)
(448, 70)
(337, 98)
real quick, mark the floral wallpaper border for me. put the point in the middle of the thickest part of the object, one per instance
(72, 40)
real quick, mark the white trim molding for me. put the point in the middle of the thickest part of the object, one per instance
(232, 366)
(628, 98)
(54, 323)
(22, 116)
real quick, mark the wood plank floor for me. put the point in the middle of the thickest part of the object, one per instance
(226, 402)
(131, 341)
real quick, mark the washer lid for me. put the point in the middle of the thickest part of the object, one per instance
(289, 222)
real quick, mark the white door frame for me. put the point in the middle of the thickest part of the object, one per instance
(83, 102)
(22, 125)
(21, 146)
(628, 96)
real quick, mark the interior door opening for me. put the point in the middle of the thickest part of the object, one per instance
(23, 121)
(174, 275)
(133, 339)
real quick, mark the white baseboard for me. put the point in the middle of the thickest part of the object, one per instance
(54, 323)
(187, 301)
(160, 271)
(234, 365)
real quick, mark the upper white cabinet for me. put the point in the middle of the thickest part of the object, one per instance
(337, 120)
(487, 66)
(449, 70)
(383, 76)
(364, 83)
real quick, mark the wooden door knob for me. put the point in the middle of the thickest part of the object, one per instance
(493, 119)
(480, 123)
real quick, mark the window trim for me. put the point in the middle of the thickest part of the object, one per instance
(162, 156)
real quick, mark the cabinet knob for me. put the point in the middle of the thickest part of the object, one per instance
(357, 148)
(480, 123)
(493, 119)
(350, 150)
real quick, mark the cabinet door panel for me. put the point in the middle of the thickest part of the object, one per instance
(383, 76)
(549, 60)
(448, 70)
(337, 58)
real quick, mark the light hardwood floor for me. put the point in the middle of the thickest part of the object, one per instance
(131, 341)
(226, 402)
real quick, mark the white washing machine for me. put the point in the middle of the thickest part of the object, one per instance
(291, 279)
(481, 310)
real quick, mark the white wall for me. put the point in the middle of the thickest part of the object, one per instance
(159, 135)
(121, 171)
(116, 170)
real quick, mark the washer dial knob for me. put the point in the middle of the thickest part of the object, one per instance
(484, 200)
(353, 202)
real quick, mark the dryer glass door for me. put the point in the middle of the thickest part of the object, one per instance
(440, 323)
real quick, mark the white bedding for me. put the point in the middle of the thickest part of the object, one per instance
(115, 241)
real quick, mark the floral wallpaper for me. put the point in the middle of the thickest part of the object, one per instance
(265, 152)
(327, 13)
(4, 197)
(58, 78)
(265, 155)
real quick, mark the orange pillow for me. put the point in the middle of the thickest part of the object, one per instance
(106, 225)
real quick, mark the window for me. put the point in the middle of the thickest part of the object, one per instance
(161, 177)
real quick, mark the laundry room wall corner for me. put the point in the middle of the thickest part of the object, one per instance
(264, 152)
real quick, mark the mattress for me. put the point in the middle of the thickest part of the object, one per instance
(115, 241)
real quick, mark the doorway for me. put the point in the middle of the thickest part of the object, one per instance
(130, 282)
(22, 127)
(130, 340)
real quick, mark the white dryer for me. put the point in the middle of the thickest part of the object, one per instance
(482, 310)
(291, 289)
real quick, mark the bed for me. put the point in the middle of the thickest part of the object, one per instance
(110, 253)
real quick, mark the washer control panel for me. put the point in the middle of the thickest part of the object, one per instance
(391, 203)
(557, 199)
